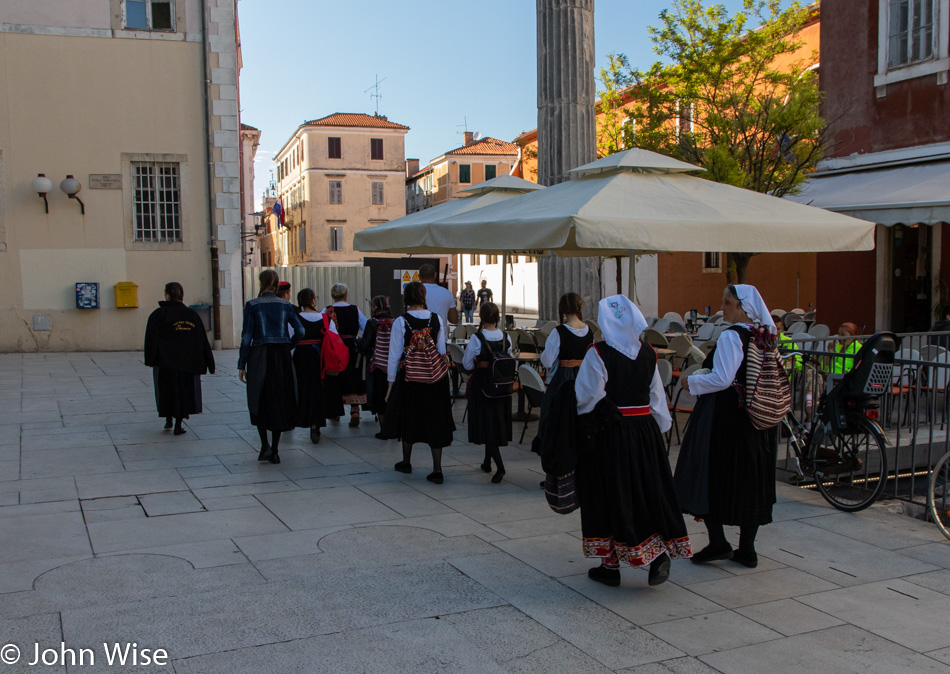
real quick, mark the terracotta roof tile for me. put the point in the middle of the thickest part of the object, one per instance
(248, 127)
(355, 119)
(486, 145)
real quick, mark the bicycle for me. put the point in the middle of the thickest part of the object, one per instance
(844, 452)
(938, 499)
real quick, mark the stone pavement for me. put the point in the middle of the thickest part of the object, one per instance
(115, 531)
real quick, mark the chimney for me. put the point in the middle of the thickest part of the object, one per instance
(412, 167)
(468, 137)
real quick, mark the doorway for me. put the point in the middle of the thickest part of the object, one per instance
(911, 286)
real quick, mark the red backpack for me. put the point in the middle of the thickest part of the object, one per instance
(422, 361)
(334, 354)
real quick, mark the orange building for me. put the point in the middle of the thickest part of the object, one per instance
(693, 280)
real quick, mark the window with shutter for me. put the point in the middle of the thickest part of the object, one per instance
(334, 148)
(336, 192)
(376, 148)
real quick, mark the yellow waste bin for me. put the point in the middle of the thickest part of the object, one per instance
(126, 295)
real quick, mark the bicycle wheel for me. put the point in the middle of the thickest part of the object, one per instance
(938, 500)
(856, 478)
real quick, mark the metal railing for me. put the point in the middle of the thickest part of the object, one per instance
(914, 411)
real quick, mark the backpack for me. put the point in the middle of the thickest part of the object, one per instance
(502, 369)
(380, 357)
(768, 395)
(334, 354)
(422, 361)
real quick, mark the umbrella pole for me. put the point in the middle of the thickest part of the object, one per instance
(632, 281)
(504, 289)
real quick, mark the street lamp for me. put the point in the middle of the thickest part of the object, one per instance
(42, 185)
(71, 187)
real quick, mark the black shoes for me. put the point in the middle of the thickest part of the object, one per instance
(265, 453)
(403, 467)
(659, 570)
(274, 457)
(315, 434)
(601, 574)
(168, 423)
(487, 466)
(498, 476)
(711, 554)
(435, 477)
(749, 559)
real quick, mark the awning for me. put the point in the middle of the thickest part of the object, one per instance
(906, 195)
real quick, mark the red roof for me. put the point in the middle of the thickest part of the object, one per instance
(486, 145)
(355, 119)
(248, 127)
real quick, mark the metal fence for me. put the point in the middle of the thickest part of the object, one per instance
(319, 279)
(914, 412)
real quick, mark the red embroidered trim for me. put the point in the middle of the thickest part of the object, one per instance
(637, 555)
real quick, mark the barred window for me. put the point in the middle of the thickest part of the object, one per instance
(910, 31)
(378, 199)
(336, 191)
(712, 262)
(156, 204)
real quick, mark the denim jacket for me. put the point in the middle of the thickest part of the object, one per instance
(265, 322)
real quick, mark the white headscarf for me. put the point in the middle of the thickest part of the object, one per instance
(621, 324)
(754, 306)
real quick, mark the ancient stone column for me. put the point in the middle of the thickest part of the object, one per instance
(566, 131)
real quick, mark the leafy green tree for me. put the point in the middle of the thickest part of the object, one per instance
(729, 98)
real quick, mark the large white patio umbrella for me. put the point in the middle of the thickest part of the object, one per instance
(409, 233)
(640, 200)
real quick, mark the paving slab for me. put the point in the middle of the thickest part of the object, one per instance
(129, 483)
(323, 508)
(722, 630)
(837, 650)
(48, 536)
(24, 634)
(170, 503)
(185, 528)
(602, 634)
(36, 464)
(758, 588)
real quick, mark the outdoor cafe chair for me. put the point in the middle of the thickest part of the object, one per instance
(548, 327)
(705, 332)
(459, 332)
(683, 402)
(696, 356)
(592, 324)
(931, 351)
(665, 368)
(676, 326)
(673, 316)
(819, 330)
(533, 387)
(789, 318)
(715, 317)
(651, 320)
(540, 338)
(470, 329)
(809, 317)
(654, 337)
(526, 341)
(707, 346)
(458, 374)
(798, 326)
(662, 325)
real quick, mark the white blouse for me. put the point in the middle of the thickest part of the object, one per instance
(726, 361)
(397, 342)
(591, 386)
(474, 347)
(552, 349)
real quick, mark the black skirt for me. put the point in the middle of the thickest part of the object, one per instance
(376, 386)
(419, 412)
(629, 513)
(271, 387)
(733, 461)
(556, 426)
(489, 419)
(177, 394)
(310, 412)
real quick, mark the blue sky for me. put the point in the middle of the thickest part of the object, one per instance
(444, 64)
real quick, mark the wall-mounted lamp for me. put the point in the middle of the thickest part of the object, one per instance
(71, 187)
(42, 185)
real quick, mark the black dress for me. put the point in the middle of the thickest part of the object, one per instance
(489, 419)
(306, 357)
(177, 348)
(558, 408)
(348, 387)
(726, 467)
(418, 412)
(629, 512)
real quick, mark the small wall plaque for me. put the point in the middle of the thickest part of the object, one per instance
(105, 181)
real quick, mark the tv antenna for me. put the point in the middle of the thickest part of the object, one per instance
(375, 90)
(462, 126)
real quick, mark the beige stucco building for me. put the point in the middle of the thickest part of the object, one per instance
(336, 176)
(137, 99)
(250, 141)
